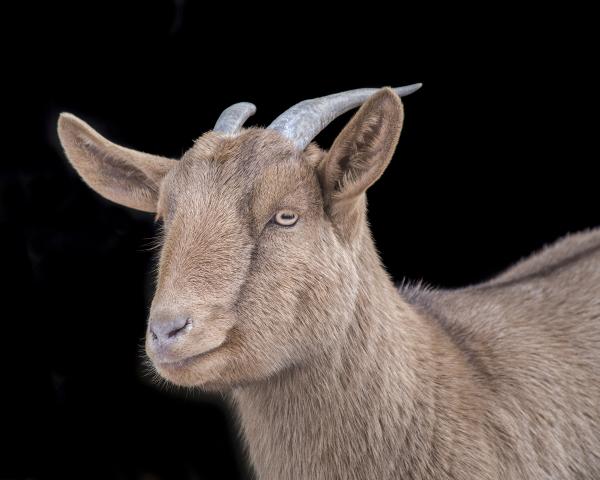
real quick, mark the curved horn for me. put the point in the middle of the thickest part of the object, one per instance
(233, 117)
(302, 122)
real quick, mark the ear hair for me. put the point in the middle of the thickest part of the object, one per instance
(360, 154)
(120, 174)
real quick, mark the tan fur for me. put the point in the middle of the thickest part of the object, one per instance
(335, 373)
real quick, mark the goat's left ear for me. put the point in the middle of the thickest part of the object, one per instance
(358, 157)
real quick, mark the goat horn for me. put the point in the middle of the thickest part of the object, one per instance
(302, 122)
(233, 117)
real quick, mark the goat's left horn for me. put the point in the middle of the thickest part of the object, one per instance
(233, 117)
(302, 122)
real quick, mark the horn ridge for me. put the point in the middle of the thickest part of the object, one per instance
(233, 117)
(303, 122)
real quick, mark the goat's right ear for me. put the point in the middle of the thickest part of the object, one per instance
(120, 174)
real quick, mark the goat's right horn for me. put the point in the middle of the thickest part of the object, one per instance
(233, 117)
(302, 122)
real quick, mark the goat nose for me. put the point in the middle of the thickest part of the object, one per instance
(165, 328)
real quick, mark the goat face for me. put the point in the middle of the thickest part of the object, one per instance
(246, 253)
(258, 268)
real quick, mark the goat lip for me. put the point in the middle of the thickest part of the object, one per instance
(186, 361)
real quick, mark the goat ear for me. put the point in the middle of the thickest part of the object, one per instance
(120, 174)
(358, 157)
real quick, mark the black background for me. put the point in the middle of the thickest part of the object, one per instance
(498, 157)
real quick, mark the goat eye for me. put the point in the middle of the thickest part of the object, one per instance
(285, 218)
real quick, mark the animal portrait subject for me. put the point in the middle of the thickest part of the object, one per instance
(270, 289)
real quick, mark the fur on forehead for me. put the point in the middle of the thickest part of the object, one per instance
(253, 149)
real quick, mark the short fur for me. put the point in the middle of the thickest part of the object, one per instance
(335, 373)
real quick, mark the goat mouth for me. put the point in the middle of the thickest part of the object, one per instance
(185, 362)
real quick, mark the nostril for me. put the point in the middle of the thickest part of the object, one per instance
(163, 329)
(177, 329)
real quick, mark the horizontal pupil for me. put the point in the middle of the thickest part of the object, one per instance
(287, 216)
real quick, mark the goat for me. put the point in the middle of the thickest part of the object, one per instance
(270, 288)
